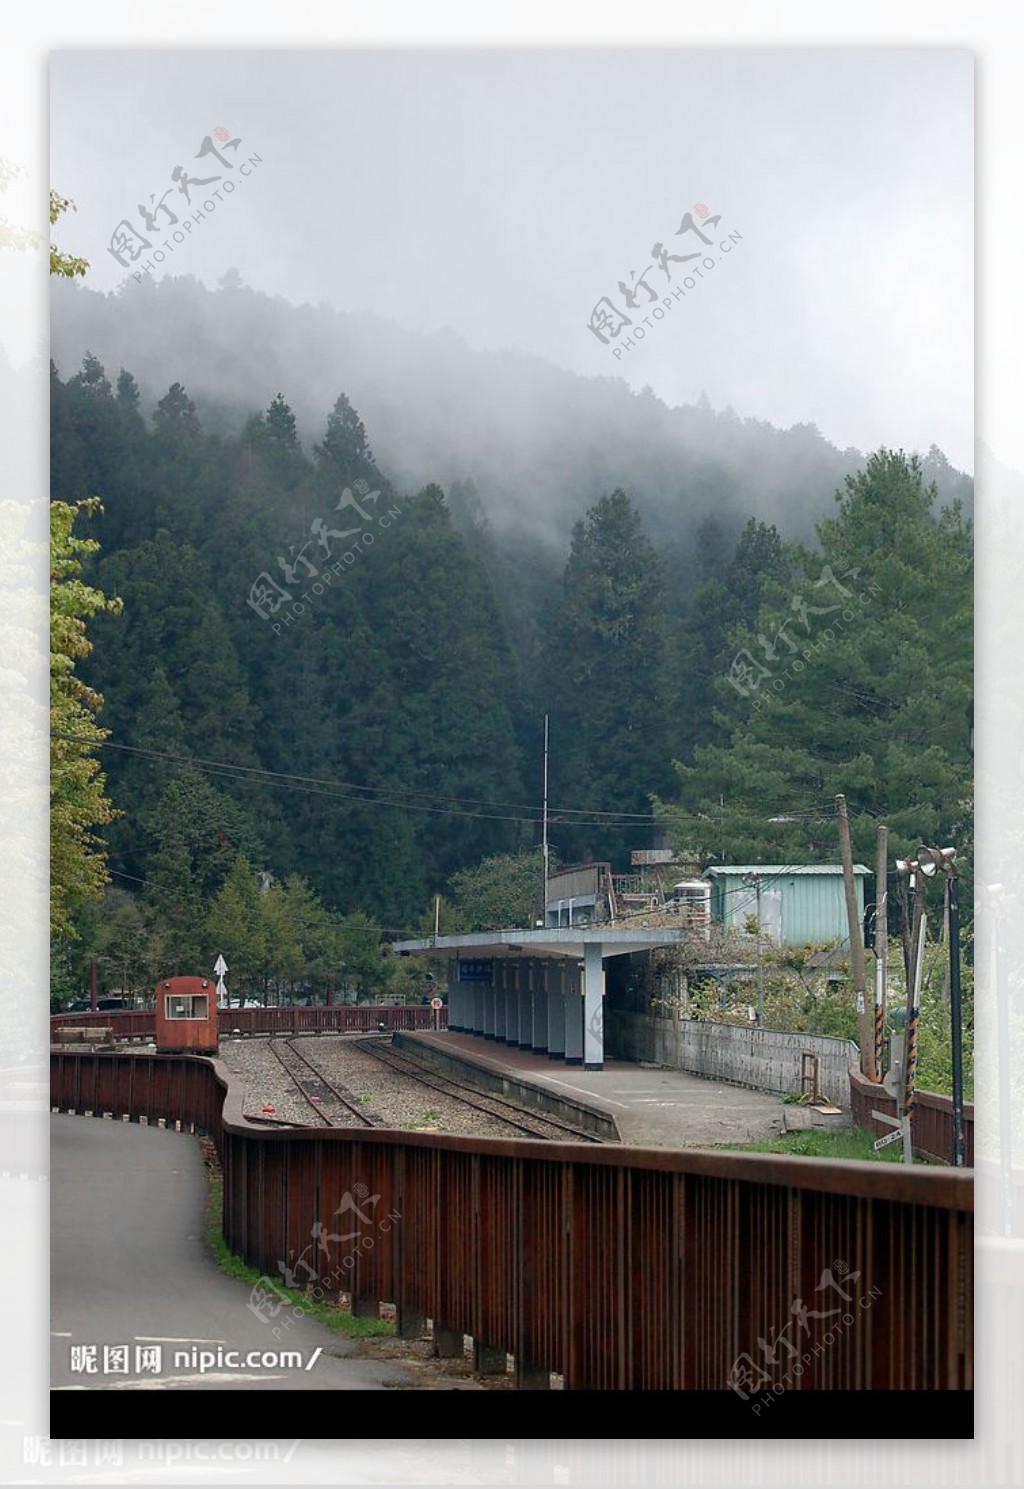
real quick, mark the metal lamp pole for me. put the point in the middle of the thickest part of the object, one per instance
(544, 906)
(755, 881)
(932, 860)
(956, 1017)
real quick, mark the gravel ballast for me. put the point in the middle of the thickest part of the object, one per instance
(397, 1100)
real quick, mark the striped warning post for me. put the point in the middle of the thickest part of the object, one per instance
(910, 1084)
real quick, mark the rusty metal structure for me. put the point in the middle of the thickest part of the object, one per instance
(358, 1018)
(932, 1124)
(185, 1014)
(616, 1268)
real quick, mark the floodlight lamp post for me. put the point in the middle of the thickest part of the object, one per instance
(755, 881)
(935, 861)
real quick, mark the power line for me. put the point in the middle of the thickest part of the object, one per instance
(334, 916)
(384, 796)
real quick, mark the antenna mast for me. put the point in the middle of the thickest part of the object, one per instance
(544, 908)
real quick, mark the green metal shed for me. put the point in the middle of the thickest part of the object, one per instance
(799, 902)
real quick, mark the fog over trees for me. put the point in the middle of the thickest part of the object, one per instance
(359, 565)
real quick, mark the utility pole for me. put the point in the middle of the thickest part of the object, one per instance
(914, 974)
(901, 1079)
(945, 931)
(913, 1012)
(956, 1016)
(881, 943)
(544, 905)
(760, 963)
(932, 861)
(865, 1022)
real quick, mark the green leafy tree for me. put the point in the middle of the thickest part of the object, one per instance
(362, 959)
(449, 919)
(413, 978)
(65, 981)
(125, 944)
(199, 835)
(273, 436)
(238, 927)
(503, 892)
(702, 647)
(78, 804)
(607, 679)
(344, 455)
(432, 711)
(311, 934)
(872, 692)
(66, 265)
(12, 235)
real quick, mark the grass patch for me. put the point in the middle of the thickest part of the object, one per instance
(820, 1143)
(341, 1320)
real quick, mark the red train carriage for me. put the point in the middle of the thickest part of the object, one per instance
(186, 1016)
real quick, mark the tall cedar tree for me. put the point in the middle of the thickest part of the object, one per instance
(606, 678)
(873, 688)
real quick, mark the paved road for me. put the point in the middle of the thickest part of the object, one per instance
(129, 1267)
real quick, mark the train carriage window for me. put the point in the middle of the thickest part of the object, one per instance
(185, 1006)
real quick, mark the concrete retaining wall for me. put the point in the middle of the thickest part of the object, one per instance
(579, 1113)
(760, 1058)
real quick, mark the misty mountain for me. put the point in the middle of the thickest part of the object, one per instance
(371, 716)
(538, 444)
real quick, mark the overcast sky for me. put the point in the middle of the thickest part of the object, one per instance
(503, 194)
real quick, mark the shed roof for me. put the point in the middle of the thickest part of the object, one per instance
(553, 941)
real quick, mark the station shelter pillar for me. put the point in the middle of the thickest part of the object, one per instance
(573, 1014)
(593, 1007)
(500, 1001)
(556, 1009)
(525, 1002)
(543, 971)
(456, 998)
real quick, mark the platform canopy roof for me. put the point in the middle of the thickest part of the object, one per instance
(550, 942)
(779, 870)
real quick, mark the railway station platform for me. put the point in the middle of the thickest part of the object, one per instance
(542, 989)
(651, 1107)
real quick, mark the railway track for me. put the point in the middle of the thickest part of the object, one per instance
(333, 1104)
(552, 1129)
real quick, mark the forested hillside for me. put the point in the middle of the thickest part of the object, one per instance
(331, 668)
(540, 444)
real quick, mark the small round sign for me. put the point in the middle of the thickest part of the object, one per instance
(437, 1002)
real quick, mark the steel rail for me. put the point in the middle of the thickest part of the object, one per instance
(498, 1107)
(344, 1098)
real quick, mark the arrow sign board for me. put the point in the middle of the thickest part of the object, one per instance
(220, 967)
(890, 1137)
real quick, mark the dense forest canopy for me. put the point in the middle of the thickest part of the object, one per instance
(540, 444)
(354, 582)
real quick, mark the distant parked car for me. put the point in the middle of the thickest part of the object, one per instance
(104, 1005)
